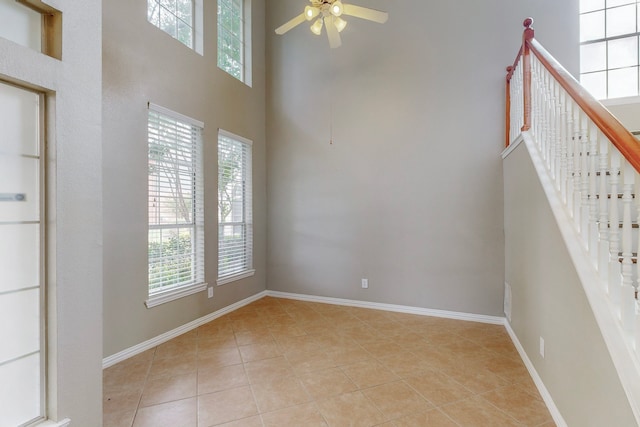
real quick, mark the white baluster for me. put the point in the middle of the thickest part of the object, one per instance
(577, 186)
(550, 120)
(571, 188)
(584, 175)
(562, 129)
(636, 335)
(603, 258)
(628, 291)
(615, 277)
(593, 189)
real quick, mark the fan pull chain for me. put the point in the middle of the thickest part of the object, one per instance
(333, 76)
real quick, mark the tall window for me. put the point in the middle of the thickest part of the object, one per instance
(176, 217)
(22, 246)
(233, 56)
(174, 17)
(609, 47)
(235, 226)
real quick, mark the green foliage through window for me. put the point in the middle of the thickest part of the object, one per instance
(174, 17)
(231, 45)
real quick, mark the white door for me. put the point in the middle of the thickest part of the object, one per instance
(21, 269)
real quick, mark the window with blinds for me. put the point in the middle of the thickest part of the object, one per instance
(235, 227)
(176, 217)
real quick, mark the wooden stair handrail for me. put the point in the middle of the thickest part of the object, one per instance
(610, 126)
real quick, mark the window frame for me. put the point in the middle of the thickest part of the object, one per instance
(606, 39)
(245, 38)
(247, 211)
(197, 283)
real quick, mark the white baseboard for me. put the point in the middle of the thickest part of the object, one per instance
(48, 423)
(495, 320)
(546, 396)
(153, 342)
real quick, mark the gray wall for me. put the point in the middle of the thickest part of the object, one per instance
(627, 113)
(142, 64)
(548, 301)
(74, 211)
(409, 194)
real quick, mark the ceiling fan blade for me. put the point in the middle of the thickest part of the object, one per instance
(365, 13)
(291, 24)
(332, 33)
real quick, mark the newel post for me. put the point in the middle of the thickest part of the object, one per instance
(526, 71)
(508, 106)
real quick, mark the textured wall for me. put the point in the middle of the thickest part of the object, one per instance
(142, 64)
(410, 193)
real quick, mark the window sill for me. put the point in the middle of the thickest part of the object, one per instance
(620, 101)
(238, 276)
(174, 294)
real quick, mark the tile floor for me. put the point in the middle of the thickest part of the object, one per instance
(279, 362)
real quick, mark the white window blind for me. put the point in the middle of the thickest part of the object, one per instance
(235, 226)
(176, 217)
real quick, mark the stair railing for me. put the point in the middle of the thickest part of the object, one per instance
(594, 163)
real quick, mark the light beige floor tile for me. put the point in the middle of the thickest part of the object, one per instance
(172, 366)
(216, 358)
(181, 413)
(519, 404)
(121, 401)
(477, 412)
(369, 373)
(125, 377)
(308, 363)
(183, 345)
(221, 378)
(254, 421)
(253, 352)
(167, 389)
(254, 336)
(268, 369)
(397, 399)
(118, 419)
(311, 355)
(438, 388)
(478, 380)
(349, 355)
(383, 348)
(306, 415)
(279, 393)
(327, 382)
(350, 409)
(225, 406)
(432, 418)
(228, 340)
(405, 364)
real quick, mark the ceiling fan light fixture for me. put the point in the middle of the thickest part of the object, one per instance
(316, 28)
(337, 8)
(311, 12)
(339, 23)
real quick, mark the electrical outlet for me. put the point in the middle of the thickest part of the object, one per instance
(365, 283)
(542, 347)
(210, 292)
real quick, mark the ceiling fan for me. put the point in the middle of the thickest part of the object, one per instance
(328, 14)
